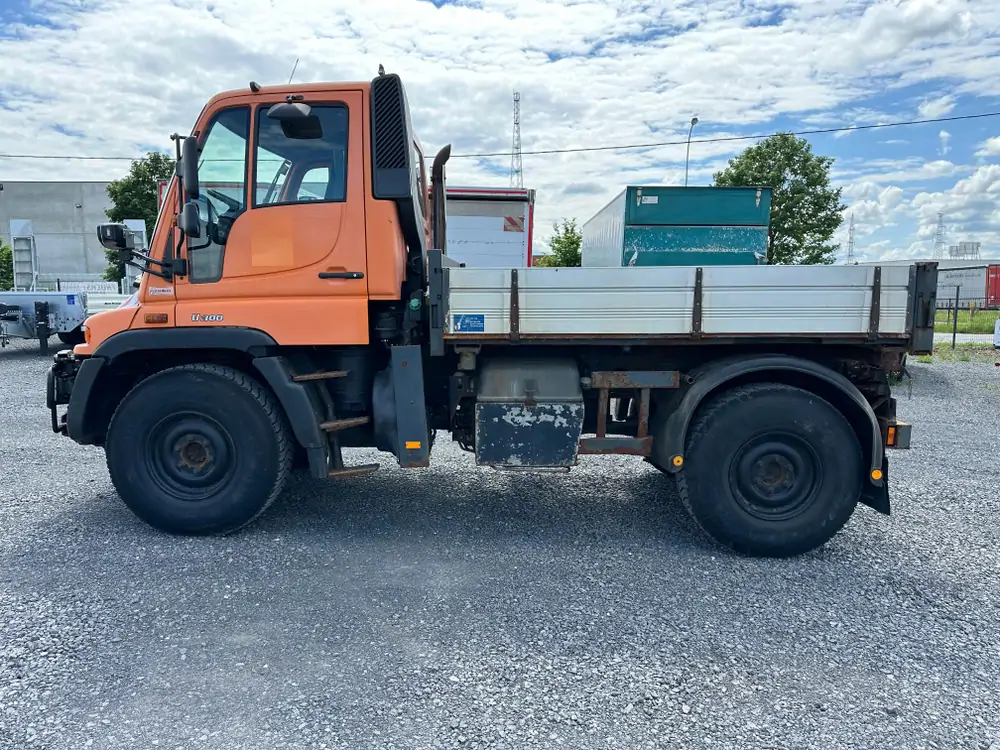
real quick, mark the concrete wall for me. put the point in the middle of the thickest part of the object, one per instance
(65, 216)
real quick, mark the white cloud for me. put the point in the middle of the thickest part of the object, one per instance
(971, 209)
(882, 171)
(989, 147)
(589, 72)
(938, 107)
(877, 209)
(945, 137)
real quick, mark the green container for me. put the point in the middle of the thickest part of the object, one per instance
(677, 226)
(698, 206)
(694, 246)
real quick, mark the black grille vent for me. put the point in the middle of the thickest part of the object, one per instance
(388, 124)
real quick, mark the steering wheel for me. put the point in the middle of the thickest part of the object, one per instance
(231, 203)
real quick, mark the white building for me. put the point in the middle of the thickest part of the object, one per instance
(63, 219)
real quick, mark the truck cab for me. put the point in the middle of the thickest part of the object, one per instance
(308, 209)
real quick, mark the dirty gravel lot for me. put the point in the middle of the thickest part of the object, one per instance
(457, 607)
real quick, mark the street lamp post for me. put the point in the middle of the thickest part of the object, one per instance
(687, 158)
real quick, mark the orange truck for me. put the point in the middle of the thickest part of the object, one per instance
(276, 326)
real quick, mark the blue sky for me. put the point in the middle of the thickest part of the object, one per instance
(99, 77)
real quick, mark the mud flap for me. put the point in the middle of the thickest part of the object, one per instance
(399, 408)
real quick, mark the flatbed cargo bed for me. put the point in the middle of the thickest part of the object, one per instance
(713, 302)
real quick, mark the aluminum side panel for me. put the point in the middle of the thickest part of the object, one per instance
(737, 300)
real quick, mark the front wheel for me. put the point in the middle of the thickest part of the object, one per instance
(771, 470)
(198, 449)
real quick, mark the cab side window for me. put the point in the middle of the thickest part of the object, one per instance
(313, 185)
(303, 160)
(222, 176)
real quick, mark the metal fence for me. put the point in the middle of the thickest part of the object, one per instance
(969, 321)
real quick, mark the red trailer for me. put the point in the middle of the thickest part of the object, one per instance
(993, 286)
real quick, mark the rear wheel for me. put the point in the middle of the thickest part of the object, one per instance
(198, 449)
(771, 470)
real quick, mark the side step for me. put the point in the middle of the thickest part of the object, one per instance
(319, 376)
(335, 425)
(353, 471)
(331, 425)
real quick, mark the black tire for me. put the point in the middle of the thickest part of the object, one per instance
(744, 443)
(198, 449)
(72, 338)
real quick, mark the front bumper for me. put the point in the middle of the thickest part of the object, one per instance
(59, 387)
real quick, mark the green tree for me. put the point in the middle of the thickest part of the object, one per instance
(135, 196)
(564, 244)
(6, 267)
(805, 210)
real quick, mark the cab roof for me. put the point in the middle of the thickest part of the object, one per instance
(294, 88)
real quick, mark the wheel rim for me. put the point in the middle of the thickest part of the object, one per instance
(775, 476)
(190, 455)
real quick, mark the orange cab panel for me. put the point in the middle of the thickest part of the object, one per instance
(282, 211)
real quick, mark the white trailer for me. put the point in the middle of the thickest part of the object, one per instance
(490, 227)
(40, 315)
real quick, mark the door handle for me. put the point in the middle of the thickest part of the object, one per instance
(341, 275)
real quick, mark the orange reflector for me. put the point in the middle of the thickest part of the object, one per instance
(877, 474)
(412, 445)
(156, 317)
(892, 436)
(677, 461)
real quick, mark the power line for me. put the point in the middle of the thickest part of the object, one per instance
(727, 138)
(582, 149)
(77, 158)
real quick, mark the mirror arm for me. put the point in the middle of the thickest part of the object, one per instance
(163, 275)
(171, 267)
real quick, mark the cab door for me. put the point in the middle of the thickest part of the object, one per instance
(283, 244)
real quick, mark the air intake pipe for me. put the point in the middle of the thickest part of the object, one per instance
(439, 219)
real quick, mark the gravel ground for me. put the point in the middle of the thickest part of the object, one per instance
(455, 607)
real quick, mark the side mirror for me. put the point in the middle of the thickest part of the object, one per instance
(189, 220)
(115, 237)
(189, 168)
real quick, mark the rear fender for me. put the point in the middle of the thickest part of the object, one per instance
(668, 451)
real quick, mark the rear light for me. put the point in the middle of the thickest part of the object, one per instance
(898, 435)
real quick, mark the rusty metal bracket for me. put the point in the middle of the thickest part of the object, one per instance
(515, 307)
(635, 379)
(641, 446)
(643, 428)
(602, 412)
(643, 381)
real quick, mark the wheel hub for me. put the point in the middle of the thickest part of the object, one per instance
(775, 476)
(190, 455)
(194, 453)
